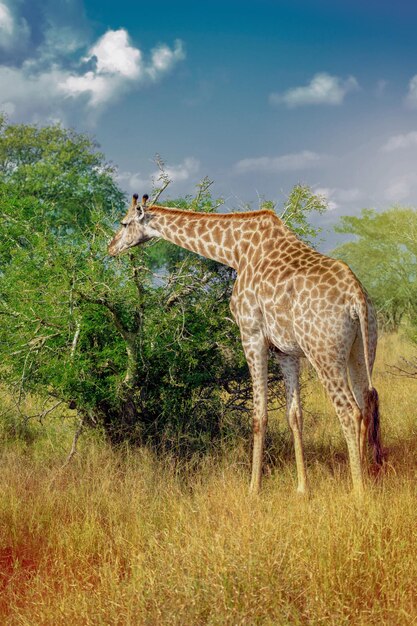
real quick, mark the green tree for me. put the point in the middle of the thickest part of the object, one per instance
(147, 356)
(297, 209)
(143, 344)
(61, 171)
(384, 257)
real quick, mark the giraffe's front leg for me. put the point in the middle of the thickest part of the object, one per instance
(256, 352)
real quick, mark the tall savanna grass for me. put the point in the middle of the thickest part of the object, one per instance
(124, 537)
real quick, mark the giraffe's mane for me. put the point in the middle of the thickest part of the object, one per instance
(203, 216)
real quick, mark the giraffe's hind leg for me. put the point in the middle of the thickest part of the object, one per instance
(335, 380)
(290, 367)
(367, 400)
(360, 387)
(350, 417)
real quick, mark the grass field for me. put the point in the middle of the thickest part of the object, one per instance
(125, 538)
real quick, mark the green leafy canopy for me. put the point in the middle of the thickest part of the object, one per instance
(142, 344)
(384, 256)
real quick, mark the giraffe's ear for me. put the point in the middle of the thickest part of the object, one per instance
(142, 206)
(140, 212)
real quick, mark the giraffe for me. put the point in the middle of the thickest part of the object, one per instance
(291, 300)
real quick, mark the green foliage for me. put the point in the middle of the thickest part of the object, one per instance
(148, 358)
(58, 168)
(384, 257)
(297, 210)
(142, 344)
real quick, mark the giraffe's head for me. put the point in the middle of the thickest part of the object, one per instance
(135, 228)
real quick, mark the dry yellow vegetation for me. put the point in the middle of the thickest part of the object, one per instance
(125, 538)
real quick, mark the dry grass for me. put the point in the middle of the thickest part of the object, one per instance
(124, 538)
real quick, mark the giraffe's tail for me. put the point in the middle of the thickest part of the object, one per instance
(371, 400)
(361, 307)
(374, 431)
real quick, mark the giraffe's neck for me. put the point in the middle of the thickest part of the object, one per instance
(221, 237)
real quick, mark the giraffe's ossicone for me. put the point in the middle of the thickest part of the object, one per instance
(292, 300)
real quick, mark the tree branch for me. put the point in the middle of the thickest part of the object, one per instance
(76, 437)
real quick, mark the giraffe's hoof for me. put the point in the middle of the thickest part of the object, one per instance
(254, 489)
(359, 493)
(302, 491)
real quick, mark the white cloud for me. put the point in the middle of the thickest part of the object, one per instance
(115, 56)
(134, 181)
(322, 89)
(336, 196)
(401, 188)
(13, 32)
(8, 108)
(180, 172)
(60, 42)
(411, 98)
(100, 89)
(44, 86)
(381, 87)
(284, 163)
(327, 193)
(22, 91)
(118, 66)
(398, 142)
(6, 21)
(163, 59)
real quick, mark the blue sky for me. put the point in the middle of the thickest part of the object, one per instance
(255, 95)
